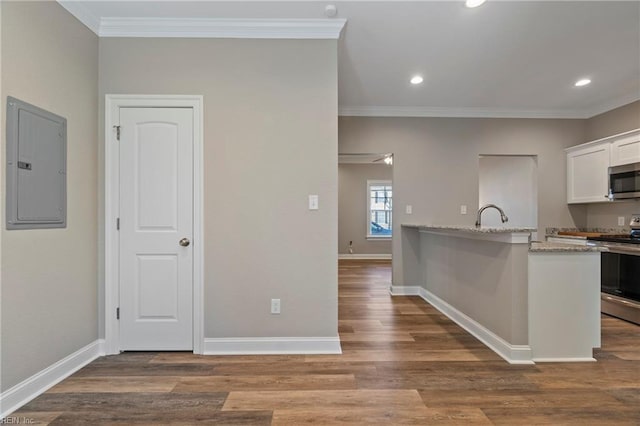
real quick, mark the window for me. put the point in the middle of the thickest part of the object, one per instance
(379, 208)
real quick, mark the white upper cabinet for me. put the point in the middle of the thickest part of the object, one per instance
(587, 173)
(626, 149)
(588, 165)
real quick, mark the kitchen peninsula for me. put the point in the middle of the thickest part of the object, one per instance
(529, 302)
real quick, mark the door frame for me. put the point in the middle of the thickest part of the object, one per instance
(113, 103)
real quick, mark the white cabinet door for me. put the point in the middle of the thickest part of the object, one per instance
(626, 150)
(587, 173)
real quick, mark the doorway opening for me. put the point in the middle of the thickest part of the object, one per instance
(156, 213)
(365, 206)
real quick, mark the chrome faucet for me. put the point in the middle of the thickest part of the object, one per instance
(503, 217)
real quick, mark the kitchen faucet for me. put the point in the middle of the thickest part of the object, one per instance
(503, 217)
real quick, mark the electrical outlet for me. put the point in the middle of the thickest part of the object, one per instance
(463, 209)
(620, 220)
(409, 209)
(275, 306)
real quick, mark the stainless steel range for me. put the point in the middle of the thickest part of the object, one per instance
(620, 273)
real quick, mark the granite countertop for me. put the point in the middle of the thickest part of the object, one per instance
(553, 232)
(466, 228)
(539, 246)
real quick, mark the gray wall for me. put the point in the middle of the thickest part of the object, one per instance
(352, 207)
(616, 121)
(619, 120)
(49, 277)
(270, 140)
(435, 169)
(486, 280)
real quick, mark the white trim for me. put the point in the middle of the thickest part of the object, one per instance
(463, 112)
(112, 105)
(82, 14)
(272, 345)
(204, 27)
(404, 290)
(611, 105)
(222, 28)
(513, 354)
(364, 256)
(25, 391)
(198, 226)
(601, 140)
(565, 359)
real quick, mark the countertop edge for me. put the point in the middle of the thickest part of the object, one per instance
(470, 229)
(518, 236)
(546, 247)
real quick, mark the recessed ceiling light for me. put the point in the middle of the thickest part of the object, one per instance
(416, 79)
(474, 3)
(582, 82)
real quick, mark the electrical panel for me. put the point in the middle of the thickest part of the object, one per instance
(36, 167)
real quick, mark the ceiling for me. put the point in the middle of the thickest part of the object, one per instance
(503, 59)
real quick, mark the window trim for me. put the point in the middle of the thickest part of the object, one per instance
(373, 182)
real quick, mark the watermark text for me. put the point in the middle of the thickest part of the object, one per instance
(17, 420)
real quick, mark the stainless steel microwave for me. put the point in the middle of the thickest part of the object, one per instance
(624, 181)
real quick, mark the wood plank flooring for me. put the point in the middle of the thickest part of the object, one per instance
(403, 363)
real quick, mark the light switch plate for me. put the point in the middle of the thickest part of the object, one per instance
(275, 306)
(313, 202)
(463, 209)
(620, 220)
(409, 209)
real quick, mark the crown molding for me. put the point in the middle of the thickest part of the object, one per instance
(222, 28)
(399, 111)
(396, 111)
(613, 104)
(82, 13)
(205, 27)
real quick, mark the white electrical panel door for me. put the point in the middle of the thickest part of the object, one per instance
(156, 228)
(36, 167)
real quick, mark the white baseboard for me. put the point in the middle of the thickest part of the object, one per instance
(25, 391)
(405, 290)
(513, 354)
(564, 359)
(272, 346)
(343, 256)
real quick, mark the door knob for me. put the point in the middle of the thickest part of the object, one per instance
(185, 242)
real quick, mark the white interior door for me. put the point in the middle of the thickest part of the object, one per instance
(156, 227)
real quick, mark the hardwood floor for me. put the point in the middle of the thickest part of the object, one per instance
(402, 363)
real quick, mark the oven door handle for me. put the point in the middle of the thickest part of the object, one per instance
(620, 301)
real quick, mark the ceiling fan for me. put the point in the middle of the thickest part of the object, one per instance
(387, 158)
